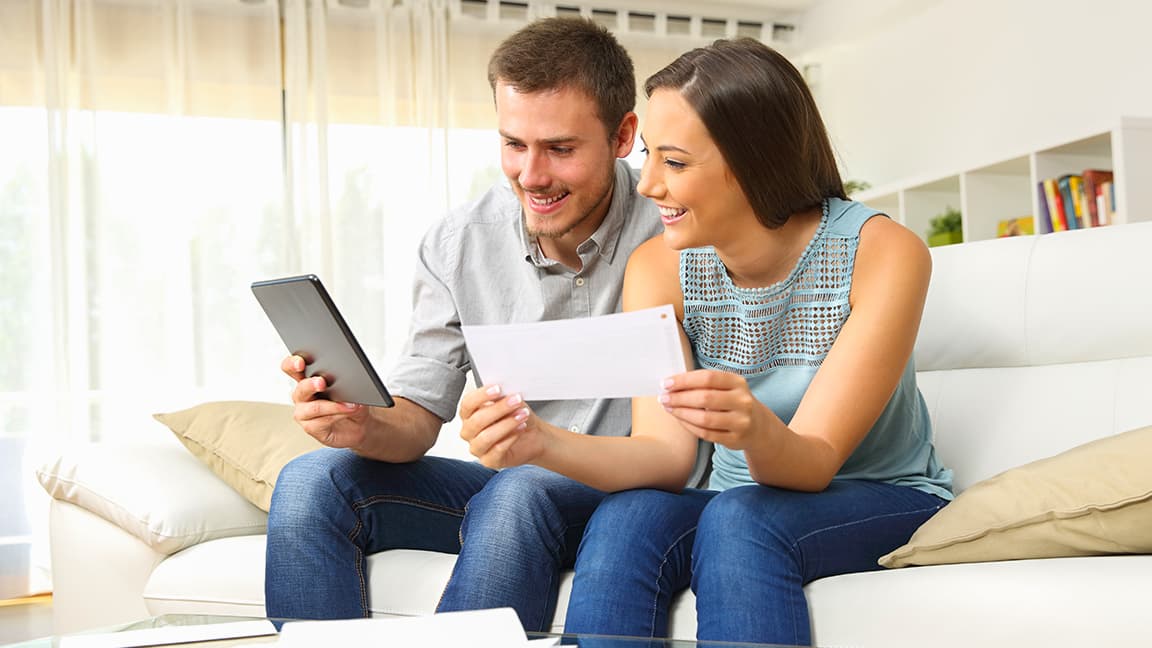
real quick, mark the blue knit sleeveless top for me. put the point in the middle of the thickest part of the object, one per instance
(778, 336)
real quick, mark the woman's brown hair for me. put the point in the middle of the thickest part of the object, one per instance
(759, 111)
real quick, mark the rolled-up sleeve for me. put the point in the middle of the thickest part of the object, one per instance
(432, 370)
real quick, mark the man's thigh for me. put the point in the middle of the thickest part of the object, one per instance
(416, 505)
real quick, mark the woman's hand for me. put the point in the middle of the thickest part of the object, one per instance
(716, 406)
(501, 430)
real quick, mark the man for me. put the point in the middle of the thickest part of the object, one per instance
(552, 245)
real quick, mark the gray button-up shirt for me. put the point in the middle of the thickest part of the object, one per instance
(480, 266)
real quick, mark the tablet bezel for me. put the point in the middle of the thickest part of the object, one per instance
(310, 325)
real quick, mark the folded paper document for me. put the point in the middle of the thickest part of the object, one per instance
(610, 356)
(498, 628)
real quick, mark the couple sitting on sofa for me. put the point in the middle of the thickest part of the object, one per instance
(800, 308)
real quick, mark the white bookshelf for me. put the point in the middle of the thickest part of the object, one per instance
(1006, 188)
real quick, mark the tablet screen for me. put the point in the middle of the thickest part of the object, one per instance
(311, 327)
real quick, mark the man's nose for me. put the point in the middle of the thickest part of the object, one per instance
(534, 172)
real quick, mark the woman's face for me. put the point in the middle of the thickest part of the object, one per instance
(700, 201)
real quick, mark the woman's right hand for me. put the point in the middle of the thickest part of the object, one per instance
(337, 425)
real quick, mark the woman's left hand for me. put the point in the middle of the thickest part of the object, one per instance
(716, 406)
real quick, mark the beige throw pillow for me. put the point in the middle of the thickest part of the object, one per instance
(1093, 499)
(244, 443)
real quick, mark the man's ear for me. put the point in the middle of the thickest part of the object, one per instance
(625, 135)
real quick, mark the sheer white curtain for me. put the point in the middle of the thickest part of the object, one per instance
(156, 156)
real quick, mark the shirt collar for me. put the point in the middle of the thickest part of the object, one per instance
(605, 238)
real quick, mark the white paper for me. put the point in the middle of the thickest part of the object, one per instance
(498, 628)
(610, 356)
(170, 635)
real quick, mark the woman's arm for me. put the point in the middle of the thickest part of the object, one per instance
(848, 392)
(861, 371)
(660, 453)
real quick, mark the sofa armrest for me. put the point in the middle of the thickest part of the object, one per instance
(156, 492)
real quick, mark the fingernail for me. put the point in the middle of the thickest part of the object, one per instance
(514, 400)
(493, 390)
(522, 414)
(318, 383)
(350, 406)
(664, 398)
(667, 383)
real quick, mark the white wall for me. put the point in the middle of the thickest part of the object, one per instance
(912, 88)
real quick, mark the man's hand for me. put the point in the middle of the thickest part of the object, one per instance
(338, 425)
(501, 431)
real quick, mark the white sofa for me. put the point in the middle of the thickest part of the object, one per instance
(1029, 346)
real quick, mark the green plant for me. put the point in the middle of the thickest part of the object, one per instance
(852, 186)
(945, 222)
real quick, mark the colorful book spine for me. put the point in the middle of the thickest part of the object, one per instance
(1071, 209)
(1055, 205)
(1043, 219)
(1093, 179)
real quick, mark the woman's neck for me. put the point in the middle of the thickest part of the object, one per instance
(761, 256)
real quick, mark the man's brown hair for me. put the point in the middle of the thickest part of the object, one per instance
(555, 53)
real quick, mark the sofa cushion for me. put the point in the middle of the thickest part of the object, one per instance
(156, 492)
(245, 443)
(1093, 499)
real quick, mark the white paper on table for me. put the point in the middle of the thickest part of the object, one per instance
(609, 356)
(166, 635)
(497, 628)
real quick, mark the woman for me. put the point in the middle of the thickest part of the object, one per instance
(801, 309)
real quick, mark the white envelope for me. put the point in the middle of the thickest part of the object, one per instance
(497, 628)
(610, 356)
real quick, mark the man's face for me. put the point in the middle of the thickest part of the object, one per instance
(559, 159)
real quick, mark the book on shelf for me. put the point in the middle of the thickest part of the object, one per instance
(1055, 205)
(1076, 201)
(1068, 185)
(1093, 181)
(1043, 219)
(1106, 202)
(1016, 227)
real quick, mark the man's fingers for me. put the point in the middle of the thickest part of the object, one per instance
(293, 366)
(307, 389)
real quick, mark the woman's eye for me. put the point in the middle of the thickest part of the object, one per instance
(674, 164)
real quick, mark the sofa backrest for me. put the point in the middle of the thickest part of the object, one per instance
(1033, 345)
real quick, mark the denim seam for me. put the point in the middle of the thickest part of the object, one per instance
(860, 521)
(360, 566)
(371, 501)
(659, 573)
(359, 505)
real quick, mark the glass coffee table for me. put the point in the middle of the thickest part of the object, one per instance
(191, 620)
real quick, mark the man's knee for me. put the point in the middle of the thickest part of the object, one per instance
(308, 483)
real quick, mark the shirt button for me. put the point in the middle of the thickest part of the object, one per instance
(574, 428)
(579, 281)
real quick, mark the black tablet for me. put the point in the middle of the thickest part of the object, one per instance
(310, 326)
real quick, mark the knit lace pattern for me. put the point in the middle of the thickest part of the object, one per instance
(792, 323)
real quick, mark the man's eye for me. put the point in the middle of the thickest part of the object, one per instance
(562, 150)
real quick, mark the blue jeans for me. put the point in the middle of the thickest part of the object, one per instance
(746, 552)
(514, 530)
